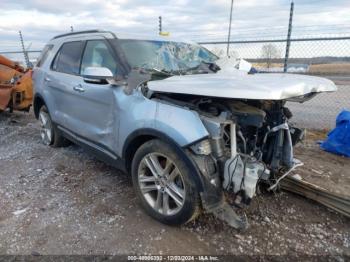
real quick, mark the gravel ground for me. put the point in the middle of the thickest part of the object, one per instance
(64, 201)
(327, 170)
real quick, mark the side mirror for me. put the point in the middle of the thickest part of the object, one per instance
(97, 75)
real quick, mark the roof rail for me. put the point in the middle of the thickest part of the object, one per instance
(84, 32)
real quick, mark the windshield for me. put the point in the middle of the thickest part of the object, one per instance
(164, 55)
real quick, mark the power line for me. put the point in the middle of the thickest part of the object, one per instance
(262, 34)
(335, 26)
(269, 29)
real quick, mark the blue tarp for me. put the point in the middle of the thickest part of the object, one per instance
(338, 140)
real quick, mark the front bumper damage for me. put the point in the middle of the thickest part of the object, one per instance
(240, 175)
(296, 164)
(213, 197)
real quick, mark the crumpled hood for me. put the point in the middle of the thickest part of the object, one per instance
(244, 86)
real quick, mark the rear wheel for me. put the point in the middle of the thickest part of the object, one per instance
(164, 184)
(48, 132)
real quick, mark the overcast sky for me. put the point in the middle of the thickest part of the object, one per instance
(40, 20)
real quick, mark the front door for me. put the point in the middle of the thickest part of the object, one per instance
(86, 110)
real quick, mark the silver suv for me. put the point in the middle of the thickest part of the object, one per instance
(185, 124)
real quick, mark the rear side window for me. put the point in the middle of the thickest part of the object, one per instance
(68, 58)
(43, 55)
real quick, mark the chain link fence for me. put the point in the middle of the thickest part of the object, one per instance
(324, 57)
(18, 56)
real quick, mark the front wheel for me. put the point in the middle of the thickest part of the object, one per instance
(164, 184)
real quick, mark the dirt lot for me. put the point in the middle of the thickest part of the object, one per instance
(64, 201)
(338, 69)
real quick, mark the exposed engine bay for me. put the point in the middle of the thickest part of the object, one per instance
(250, 141)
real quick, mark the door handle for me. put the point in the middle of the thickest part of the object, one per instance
(47, 79)
(78, 88)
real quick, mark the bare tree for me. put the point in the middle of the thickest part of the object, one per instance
(270, 52)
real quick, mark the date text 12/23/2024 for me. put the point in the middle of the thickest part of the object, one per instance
(173, 258)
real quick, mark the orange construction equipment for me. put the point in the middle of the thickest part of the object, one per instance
(16, 88)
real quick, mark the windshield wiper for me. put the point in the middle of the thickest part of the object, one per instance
(203, 67)
(162, 71)
(156, 71)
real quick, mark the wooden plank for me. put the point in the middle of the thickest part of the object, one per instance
(334, 201)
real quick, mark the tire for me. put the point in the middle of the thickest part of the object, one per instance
(48, 132)
(160, 194)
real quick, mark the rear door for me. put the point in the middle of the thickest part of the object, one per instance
(60, 81)
(40, 70)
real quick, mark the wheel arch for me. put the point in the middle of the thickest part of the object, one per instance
(37, 104)
(139, 137)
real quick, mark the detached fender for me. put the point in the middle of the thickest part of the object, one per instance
(154, 119)
(179, 123)
(137, 112)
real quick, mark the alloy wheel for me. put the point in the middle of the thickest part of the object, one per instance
(161, 184)
(46, 128)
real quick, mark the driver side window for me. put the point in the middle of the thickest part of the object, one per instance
(97, 54)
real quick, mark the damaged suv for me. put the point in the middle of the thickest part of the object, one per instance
(194, 132)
